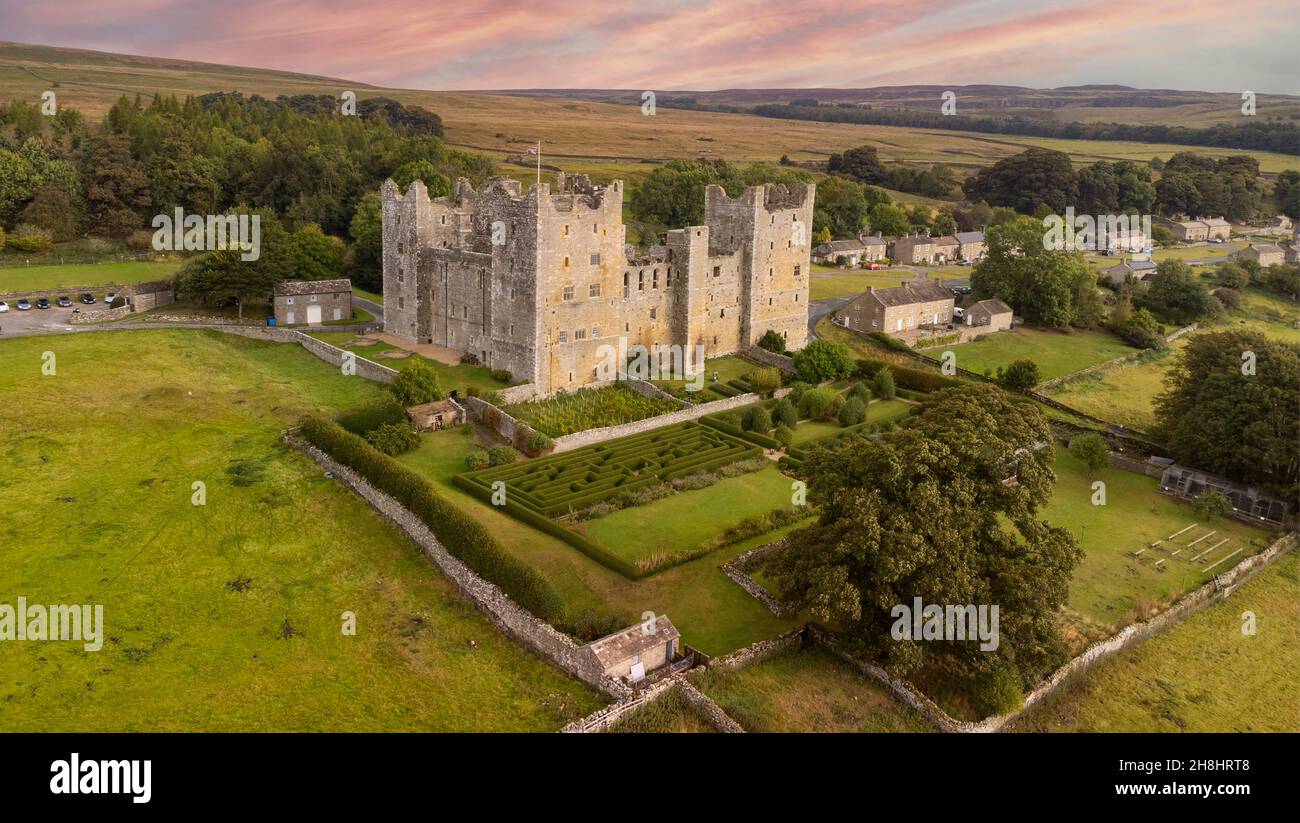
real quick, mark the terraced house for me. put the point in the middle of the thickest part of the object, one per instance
(901, 311)
(538, 283)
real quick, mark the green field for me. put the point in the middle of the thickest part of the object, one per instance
(688, 519)
(805, 691)
(833, 283)
(1056, 353)
(712, 613)
(39, 278)
(459, 376)
(1110, 588)
(1202, 675)
(669, 713)
(226, 616)
(1124, 394)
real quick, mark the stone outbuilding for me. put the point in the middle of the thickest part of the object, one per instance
(635, 652)
(1129, 270)
(1265, 254)
(989, 316)
(312, 302)
(439, 414)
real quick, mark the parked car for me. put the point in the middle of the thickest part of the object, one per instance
(873, 266)
(63, 301)
(958, 312)
(109, 298)
(4, 307)
(23, 305)
(43, 303)
(88, 299)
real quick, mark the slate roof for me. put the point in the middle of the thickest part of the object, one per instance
(965, 237)
(909, 293)
(621, 645)
(993, 306)
(290, 287)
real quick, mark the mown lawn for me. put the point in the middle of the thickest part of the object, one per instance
(1202, 675)
(227, 616)
(688, 519)
(712, 613)
(33, 278)
(806, 691)
(459, 376)
(1056, 353)
(1109, 587)
(877, 410)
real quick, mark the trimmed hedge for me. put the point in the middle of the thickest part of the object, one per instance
(909, 378)
(462, 536)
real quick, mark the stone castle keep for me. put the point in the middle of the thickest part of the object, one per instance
(537, 283)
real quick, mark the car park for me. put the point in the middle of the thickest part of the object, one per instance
(63, 301)
(43, 303)
(88, 299)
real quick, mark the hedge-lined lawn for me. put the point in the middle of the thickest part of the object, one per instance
(689, 519)
(877, 411)
(589, 409)
(1108, 585)
(1124, 394)
(713, 613)
(806, 691)
(460, 376)
(1056, 353)
(1202, 675)
(95, 507)
(33, 278)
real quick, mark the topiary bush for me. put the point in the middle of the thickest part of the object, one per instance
(784, 435)
(772, 341)
(853, 413)
(785, 414)
(823, 360)
(502, 455)
(820, 404)
(477, 459)
(860, 391)
(882, 384)
(757, 419)
(416, 385)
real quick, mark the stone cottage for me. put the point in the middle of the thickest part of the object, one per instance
(312, 301)
(637, 651)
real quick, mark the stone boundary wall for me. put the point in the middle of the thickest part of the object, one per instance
(99, 315)
(712, 712)
(1128, 464)
(650, 390)
(1110, 364)
(760, 651)
(523, 393)
(515, 621)
(603, 718)
(368, 369)
(514, 432)
(591, 436)
(763, 357)
(738, 570)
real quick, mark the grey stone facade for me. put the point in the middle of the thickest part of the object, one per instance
(539, 283)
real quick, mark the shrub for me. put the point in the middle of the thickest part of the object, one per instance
(819, 404)
(784, 435)
(772, 341)
(823, 360)
(393, 438)
(797, 388)
(1091, 449)
(861, 392)
(477, 459)
(462, 536)
(417, 384)
(502, 455)
(765, 380)
(785, 414)
(853, 413)
(536, 443)
(757, 419)
(501, 375)
(118, 302)
(469, 359)
(998, 691)
(882, 384)
(916, 379)
(29, 238)
(1209, 505)
(889, 342)
(1022, 375)
(364, 419)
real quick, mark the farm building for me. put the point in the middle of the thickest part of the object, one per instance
(635, 652)
(1265, 254)
(990, 315)
(436, 415)
(312, 301)
(1247, 503)
(1134, 270)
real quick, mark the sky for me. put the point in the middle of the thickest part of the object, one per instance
(1208, 45)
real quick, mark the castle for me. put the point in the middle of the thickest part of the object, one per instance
(538, 283)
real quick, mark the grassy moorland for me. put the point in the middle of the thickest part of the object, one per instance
(1057, 353)
(32, 278)
(712, 613)
(806, 691)
(225, 616)
(1203, 675)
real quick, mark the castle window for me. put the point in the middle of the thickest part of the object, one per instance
(444, 219)
(564, 337)
(593, 290)
(595, 331)
(566, 229)
(653, 313)
(722, 312)
(566, 261)
(770, 272)
(512, 294)
(654, 282)
(798, 270)
(568, 292)
(769, 301)
(717, 271)
(401, 247)
(640, 281)
(594, 228)
(626, 288)
(668, 277)
(512, 329)
(595, 259)
(464, 312)
(288, 301)
(579, 334)
(796, 298)
(401, 303)
(627, 327)
(771, 245)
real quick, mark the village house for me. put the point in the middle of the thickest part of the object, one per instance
(989, 316)
(900, 311)
(1216, 228)
(1129, 270)
(971, 246)
(853, 253)
(1191, 231)
(438, 414)
(1265, 254)
(637, 651)
(312, 301)
(946, 249)
(912, 249)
